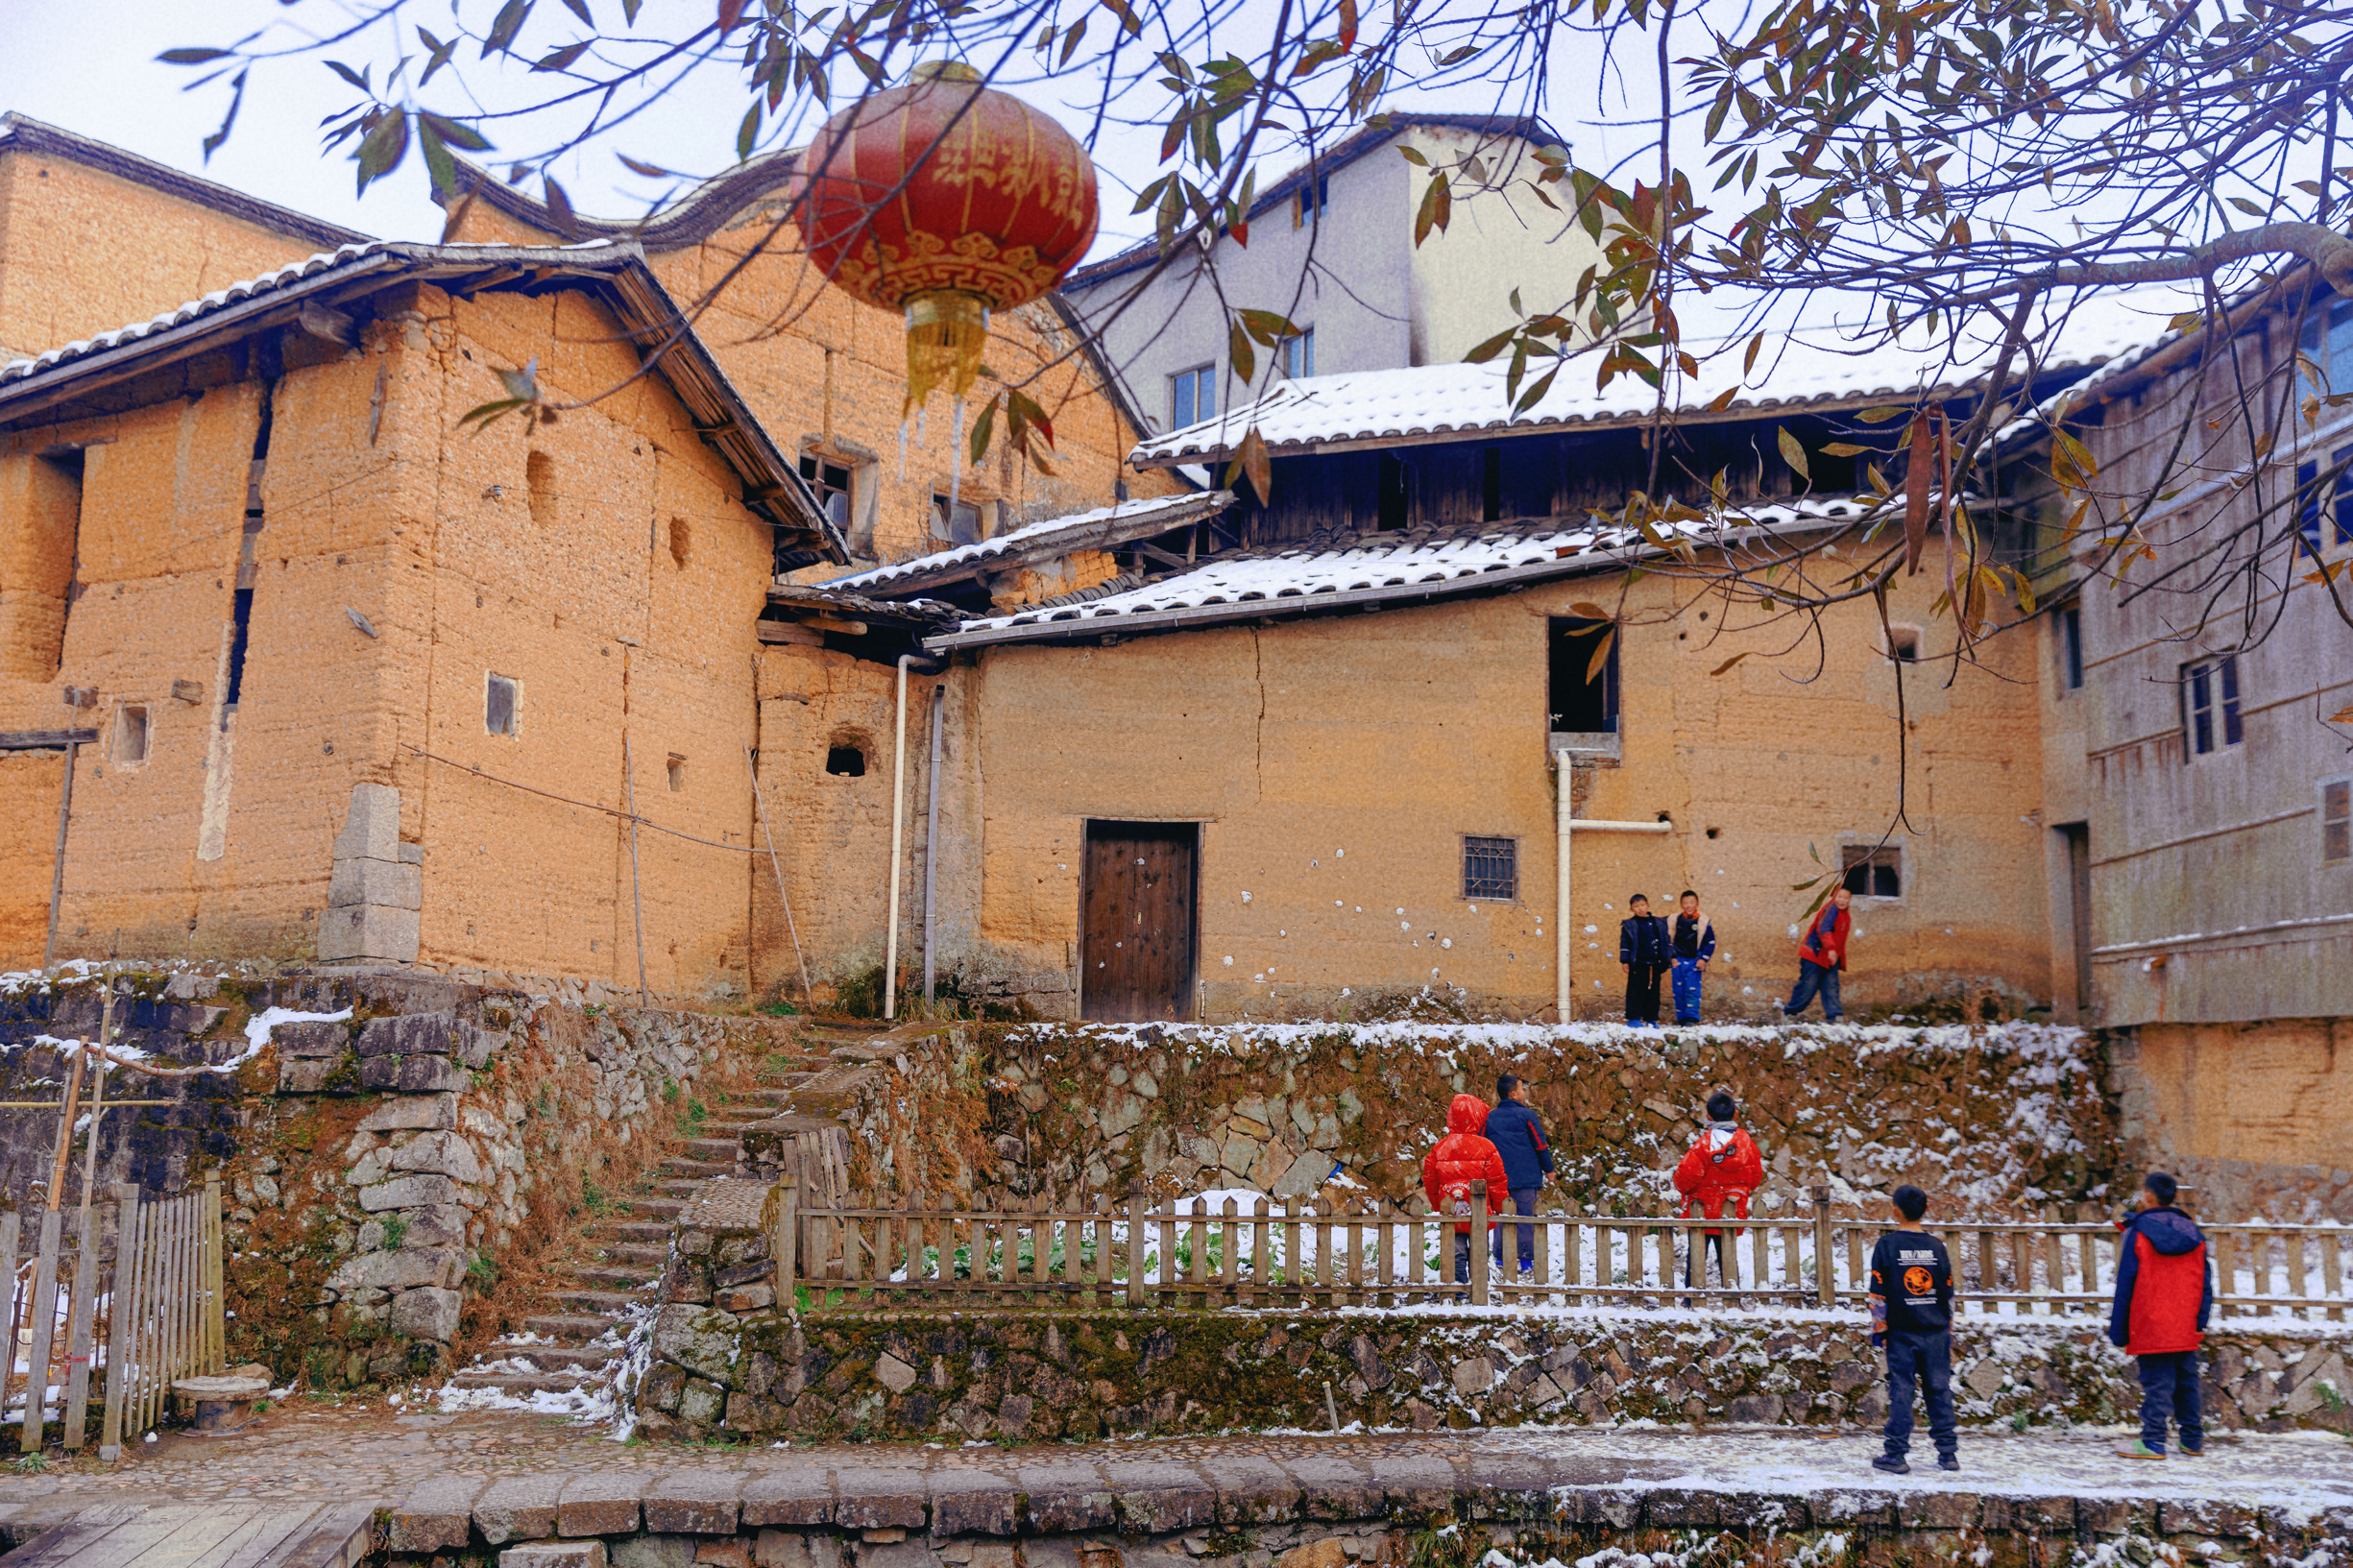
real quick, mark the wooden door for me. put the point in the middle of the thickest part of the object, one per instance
(1136, 917)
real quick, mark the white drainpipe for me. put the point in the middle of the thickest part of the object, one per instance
(1560, 929)
(898, 830)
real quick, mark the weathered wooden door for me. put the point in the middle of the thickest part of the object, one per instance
(1136, 919)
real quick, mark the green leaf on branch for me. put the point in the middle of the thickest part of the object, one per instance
(192, 56)
(504, 26)
(382, 148)
(1437, 208)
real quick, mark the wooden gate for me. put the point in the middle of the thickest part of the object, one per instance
(167, 1321)
(1137, 920)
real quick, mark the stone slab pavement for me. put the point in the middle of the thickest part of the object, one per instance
(505, 1473)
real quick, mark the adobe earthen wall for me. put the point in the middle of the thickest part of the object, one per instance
(1335, 763)
(2251, 1115)
(82, 252)
(828, 373)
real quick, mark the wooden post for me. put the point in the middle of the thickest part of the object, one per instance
(2331, 1274)
(57, 876)
(8, 1237)
(785, 1240)
(1825, 1271)
(120, 1331)
(77, 1406)
(1258, 1252)
(1229, 1262)
(637, 902)
(40, 1315)
(1135, 1241)
(1478, 1243)
(216, 1285)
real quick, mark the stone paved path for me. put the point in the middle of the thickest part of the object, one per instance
(348, 1453)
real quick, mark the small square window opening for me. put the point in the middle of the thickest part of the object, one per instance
(1583, 676)
(831, 481)
(678, 773)
(2337, 819)
(498, 705)
(845, 762)
(1491, 869)
(131, 735)
(959, 523)
(1903, 644)
(1873, 873)
(1313, 201)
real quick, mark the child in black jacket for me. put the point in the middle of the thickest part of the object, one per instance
(1645, 947)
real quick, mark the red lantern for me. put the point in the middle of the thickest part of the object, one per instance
(947, 200)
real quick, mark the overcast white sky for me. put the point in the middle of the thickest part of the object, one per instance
(90, 68)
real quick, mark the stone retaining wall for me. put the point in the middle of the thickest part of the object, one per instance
(1988, 1120)
(382, 1163)
(1313, 1510)
(1117, 1373)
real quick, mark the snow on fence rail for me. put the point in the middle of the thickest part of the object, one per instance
(1364, 1251)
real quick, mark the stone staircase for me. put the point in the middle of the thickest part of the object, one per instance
(571, 1347)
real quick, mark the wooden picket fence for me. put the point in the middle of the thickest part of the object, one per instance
(862, 1255)
(155, 1314)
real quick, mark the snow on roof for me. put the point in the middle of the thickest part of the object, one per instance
(17, 369)
(1145, 512)
(1801, 369)
(1387, 567)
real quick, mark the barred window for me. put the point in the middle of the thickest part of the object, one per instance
(1491, 868)
(1875, 873)
(2337, 819)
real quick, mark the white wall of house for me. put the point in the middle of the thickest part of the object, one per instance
(1351, 273)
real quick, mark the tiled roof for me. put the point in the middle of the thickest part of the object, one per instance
(344, 259)
(1053, 536)
(774, 488)
(1426, 401)
(1383, 569)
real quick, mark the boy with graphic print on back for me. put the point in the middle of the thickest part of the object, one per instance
(1911, 1318)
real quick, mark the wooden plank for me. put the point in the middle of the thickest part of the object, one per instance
(261, 1532)
(58, 1547)
(78, 1324)
(119, 1318)
(336, 1536)
(1229, 1261)
(169, 1537)
(44, 739)
(40, 1316)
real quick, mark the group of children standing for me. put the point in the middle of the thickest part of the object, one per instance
(1650, 948)
(2164, 1285)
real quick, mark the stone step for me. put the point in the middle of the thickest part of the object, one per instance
(713, 1148)
(614, 1302)
(616, 1275)
(652, 1254)
(556, 1358)
(678, 1164)
(522, 1383)
(656, 1232)
(569, 1325)
(678, 1189)
(721, 1127)
(767, 1097)
(663, 1207)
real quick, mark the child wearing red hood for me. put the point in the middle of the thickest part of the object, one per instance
(1462, 1157)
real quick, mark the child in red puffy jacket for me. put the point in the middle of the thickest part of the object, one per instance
(1716, 1179)
(1462, 1157)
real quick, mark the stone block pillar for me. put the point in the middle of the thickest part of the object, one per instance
(378, 886)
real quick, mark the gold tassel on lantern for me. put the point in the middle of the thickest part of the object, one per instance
(947, 332)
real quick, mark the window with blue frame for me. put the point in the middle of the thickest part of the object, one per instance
(2328, 345)
(1193, 396)
(2324, 502)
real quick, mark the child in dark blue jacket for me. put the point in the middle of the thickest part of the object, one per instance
(1518, 1133)
(1644, 948)
(2163, 1295)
